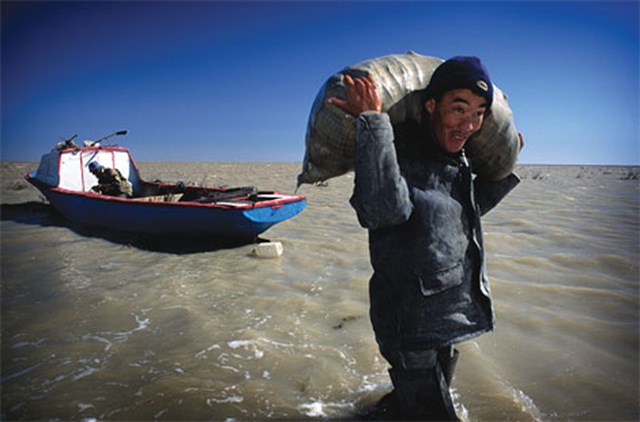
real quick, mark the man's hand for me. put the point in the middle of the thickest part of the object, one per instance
(361, 94)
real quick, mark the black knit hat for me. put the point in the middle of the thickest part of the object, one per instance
(458, 73)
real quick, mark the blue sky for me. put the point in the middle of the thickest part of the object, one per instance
(234, 81)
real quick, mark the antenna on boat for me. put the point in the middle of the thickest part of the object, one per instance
(120, 132)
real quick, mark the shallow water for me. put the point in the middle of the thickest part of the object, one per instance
(115, 329)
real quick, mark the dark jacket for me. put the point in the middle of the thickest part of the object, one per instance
(422, 208)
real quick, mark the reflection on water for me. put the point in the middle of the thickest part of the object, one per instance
(93, 327)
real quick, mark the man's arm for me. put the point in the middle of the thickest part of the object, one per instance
(380, 195)
(489, 193)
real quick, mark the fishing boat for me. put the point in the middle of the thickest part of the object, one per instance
(65, 178)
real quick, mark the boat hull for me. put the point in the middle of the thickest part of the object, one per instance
(220, 221)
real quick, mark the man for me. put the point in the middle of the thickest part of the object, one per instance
(110, 181)
(415, 193)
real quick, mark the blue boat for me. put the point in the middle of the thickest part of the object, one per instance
(65, 178)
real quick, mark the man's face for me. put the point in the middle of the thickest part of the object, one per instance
(458, 115)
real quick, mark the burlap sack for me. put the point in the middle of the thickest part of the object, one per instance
(330, 138)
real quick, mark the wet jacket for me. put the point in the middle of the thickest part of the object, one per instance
(422, 208)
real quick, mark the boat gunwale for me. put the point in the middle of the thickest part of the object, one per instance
(226, 204)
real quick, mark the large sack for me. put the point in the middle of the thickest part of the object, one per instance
(400, 78)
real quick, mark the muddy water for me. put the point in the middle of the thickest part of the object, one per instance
(114, 329)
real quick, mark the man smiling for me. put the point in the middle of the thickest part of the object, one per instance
(415, 193)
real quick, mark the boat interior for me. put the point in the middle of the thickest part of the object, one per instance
(69, 169)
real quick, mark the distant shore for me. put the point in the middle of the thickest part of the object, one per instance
(14, 171)
(519, 166)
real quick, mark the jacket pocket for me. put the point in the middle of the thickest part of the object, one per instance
(440, 280)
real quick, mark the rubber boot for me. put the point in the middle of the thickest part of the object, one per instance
(385, 410)
(422, 394)
(448, 358)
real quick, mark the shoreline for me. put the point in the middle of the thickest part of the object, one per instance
(35, 162)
